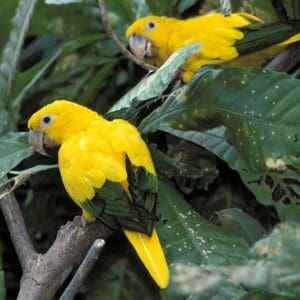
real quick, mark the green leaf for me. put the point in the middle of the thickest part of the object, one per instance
(161, 7)
(26, 80)
(22, 176)
(6, 13)
(9, 61)
(273, 266)
(275, 262)
(189, 239)
(34, 170)
(241, 224)
(293, 8)
(14, 148)
(245, 127)
(123, 8)
(155, 84)
(29, 78)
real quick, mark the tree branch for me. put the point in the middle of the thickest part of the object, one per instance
(83, 270)
(17, 228)
(118, 44)
(44, 275)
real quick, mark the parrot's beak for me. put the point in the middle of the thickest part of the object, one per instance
(141, 47)
(38, 140)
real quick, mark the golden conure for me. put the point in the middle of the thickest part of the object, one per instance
(240, 37)
(107, 170)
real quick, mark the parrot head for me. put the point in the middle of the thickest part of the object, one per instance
(54, 123)
(148, 38)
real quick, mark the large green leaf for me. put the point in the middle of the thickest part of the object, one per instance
(14, 147)
(189, 239)
(249, 118)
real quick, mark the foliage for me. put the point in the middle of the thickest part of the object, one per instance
(225, 146)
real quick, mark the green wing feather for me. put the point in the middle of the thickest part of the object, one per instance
(258, 37)
(115, 208)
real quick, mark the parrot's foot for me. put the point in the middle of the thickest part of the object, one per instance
(84, 222)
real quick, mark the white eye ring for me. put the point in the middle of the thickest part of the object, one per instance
(46, 120)
(150, 26)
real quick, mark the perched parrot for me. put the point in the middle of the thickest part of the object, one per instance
(240, 37)
(107, 170)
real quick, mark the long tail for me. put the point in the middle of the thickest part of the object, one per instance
(151, 254)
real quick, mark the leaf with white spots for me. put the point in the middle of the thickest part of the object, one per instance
(190, 239)
(272, 266)
(250, 119)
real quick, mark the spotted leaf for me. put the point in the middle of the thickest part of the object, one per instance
(250, 119)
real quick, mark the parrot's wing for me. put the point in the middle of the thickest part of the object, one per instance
(142, 184)
(113, 205)
(258, 37)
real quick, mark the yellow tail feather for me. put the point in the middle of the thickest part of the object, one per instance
(151, 254)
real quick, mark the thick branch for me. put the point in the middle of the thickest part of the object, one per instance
(43, 277)
(115, 39)
(17, 228)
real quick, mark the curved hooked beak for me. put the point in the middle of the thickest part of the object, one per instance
(38, 140)
(141, 47)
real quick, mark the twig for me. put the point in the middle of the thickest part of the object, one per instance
(115, 39)
(286, 59)
(17, 228)
(83, 270)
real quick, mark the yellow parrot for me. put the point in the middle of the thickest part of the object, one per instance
(239, 37)
(107, 170)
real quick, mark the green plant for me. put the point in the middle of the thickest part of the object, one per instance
(225, 145)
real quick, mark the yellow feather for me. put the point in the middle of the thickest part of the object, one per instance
(150, 252)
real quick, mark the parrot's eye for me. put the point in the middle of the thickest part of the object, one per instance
(151, 25)
(46, 120)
